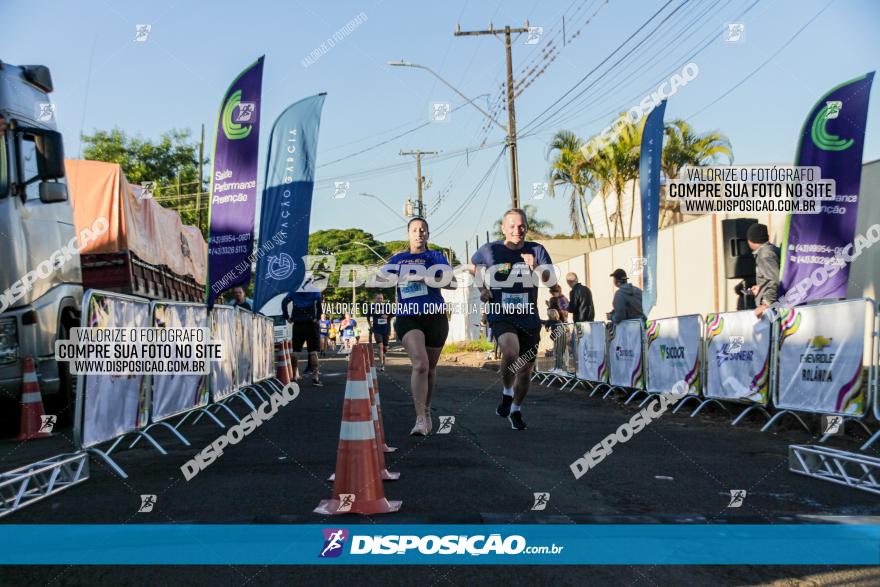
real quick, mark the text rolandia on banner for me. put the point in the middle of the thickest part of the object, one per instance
(674, 354)
(234, 184)
(821, 358)
(625, 354)
(833, 138)
(287, 200)
(737, 357)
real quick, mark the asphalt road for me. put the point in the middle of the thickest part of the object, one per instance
(677, 470)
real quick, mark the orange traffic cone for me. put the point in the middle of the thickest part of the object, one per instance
(281, 371)
(378, 402)
(358, 485)
(374, 410)
(31, 404)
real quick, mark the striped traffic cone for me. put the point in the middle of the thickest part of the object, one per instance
(281, 371)
(31, 404)
(358, 484)
(374, 410)
(378, 402)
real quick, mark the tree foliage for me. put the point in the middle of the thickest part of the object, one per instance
(171, 163)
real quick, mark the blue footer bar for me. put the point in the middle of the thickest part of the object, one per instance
(630, 544)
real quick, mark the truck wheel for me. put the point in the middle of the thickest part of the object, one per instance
(63, 403)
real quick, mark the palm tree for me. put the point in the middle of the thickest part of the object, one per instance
(537, 228)
(684, 146)
(622, 161)
(568, 168)
(601, 171)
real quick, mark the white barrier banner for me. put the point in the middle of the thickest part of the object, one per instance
(224, 323)
(625, 354)
(114, 405)
(592, 363)
(244, 345)
(177, 393)
(674, 348)
(738, 357)
(822, 367)
(264, 348)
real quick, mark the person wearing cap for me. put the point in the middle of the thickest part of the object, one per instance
(627, 302)
(766, 255)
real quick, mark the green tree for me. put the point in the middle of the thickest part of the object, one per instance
(568, 169)
(172, 163)
(538, 228)
(685, 146)
(347, 245)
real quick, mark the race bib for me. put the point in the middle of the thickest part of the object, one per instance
(381, 321)
(514, 299)
(413, 289)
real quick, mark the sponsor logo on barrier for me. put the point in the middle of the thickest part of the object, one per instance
(627, 430)
(541, 501)
(147, 503)
(737, 497)
(819, 362)
(237, 433)
(334, 540)
(668, 352)
(733, 352)
(622, 353)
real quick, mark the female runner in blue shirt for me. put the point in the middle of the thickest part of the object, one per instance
(421, 323)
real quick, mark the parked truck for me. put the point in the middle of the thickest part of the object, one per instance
(37, 219)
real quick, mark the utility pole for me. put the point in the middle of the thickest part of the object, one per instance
(420, 210)
(201, 177)
(511, 111)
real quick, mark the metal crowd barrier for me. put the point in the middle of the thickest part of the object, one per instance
(738, 363)
(626, 362)
(674, 354)
(115, 408)
(736, 358)
(561, 336)
(810, 329)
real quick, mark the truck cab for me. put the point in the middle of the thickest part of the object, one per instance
(39, 302)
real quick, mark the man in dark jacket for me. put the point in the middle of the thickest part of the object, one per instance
(580, 300)
(627, 302)
(766, 267)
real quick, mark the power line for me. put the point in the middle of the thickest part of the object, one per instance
(610, 55)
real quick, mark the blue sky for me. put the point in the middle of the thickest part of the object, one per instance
(178, 76)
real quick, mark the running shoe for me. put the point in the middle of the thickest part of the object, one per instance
(503, 408)
(516, 421)
(421, 428)
(317, 383)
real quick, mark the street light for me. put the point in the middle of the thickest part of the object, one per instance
(404, 63)
(381, 201)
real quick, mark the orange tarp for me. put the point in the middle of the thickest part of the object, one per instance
(137, 223)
